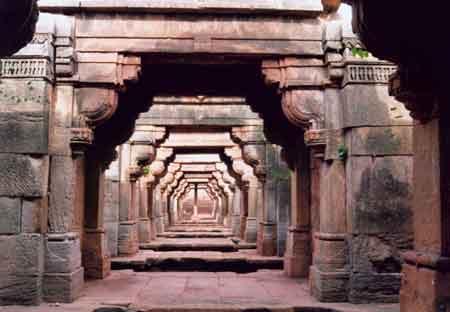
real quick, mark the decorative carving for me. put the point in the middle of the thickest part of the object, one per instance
(81, 139)
(315, 137)
(128, 69)
(368, 74)
(134, 173)
(96, 104)
(304, 108)
(26, 68)
(40, 38)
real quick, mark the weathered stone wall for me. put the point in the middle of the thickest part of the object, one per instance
(25, 101)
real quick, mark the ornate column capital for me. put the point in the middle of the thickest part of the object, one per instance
(81, 138)
(134, 173)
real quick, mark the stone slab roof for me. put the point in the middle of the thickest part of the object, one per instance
(310, 8)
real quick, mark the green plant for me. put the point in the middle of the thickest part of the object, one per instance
(359, 52)
(342, 152)
(146, 170)
(280, 173)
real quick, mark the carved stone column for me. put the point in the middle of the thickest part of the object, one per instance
(254, 150)
(301, 84)
(250, 188)
(128, 243)
(236, 212)
(297, 258)
(157, 169)
(96, 260)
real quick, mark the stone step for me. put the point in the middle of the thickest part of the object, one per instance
(197, 229)
(195, 235)
(193, 244)
(197, 261)
(221, 308)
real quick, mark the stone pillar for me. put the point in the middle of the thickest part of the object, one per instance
(145, 227)
(267, 233)
(151, 208)
(96, 259)
(195, 216)
(158, 217)
(330, 273)
(236, 212)
(283, 206)
(128, 228)
(112, 204)
(426, 270)
(157, 169)
(244, 209)
(251, 226)
(297, 258)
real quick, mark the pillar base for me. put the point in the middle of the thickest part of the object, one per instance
(425, 289)
(329, 275)
(64, 277)
(153, 232)
(236, 225)
(159, 225)
(96, 261)
(63, 287)
(22, 262)
(297, 258)
(329, 286)
(242, 227)
(144, 231)
(128, 243)
(267, 239)
(251, 230)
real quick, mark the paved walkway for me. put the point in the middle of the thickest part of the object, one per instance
(201, 291)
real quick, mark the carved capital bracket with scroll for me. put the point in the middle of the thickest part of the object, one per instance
(253, 145)
(300, 83)
(101, 79)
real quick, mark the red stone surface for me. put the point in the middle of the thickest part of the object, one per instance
(183, 290)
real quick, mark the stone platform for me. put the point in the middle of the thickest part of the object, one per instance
(199, 291)
(241, 262)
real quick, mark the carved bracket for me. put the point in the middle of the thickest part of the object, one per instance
(409, 87)
(97, 104)
(304, 108)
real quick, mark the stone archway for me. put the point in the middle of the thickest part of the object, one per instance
(298, 73)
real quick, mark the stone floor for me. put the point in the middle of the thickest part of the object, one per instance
(199, 291)
(201, 274)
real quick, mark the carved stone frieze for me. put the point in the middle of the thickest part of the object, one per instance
(26, 68)
(368, 74)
